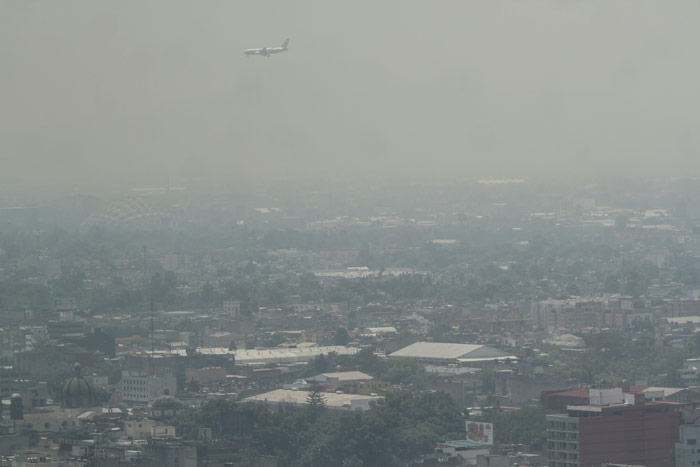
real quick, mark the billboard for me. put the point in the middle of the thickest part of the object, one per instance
(480, 432)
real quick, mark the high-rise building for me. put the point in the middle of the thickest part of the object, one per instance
(145, 389)
(614, 428)
(688, 449)
(146, 377)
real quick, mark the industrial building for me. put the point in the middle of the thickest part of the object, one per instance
(438, 353)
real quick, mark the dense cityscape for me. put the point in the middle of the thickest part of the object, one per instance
(491, 322)
(349, 234)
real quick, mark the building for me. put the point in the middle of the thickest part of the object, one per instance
(283, 355)
(236, 308)
(690, 373)
(614, 427)
(444, 353)
(614, 311)
(78, 393)
(675, 308)
(205, 375)
(560, 400)
(682, 395)
(99, 381)
(266, 376)
(340, 380)
(34, 394)
(50, 421)
(146, 377)
(509, 460)
(687, 450)
(369, 387)
(145, 364)
(145, 429)
(145, 389)
(331, 400)
(218, 339)
(466, 451)
(166, 407)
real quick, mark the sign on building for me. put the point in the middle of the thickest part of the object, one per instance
(480, 432)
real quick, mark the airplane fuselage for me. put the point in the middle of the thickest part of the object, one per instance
(267, 51)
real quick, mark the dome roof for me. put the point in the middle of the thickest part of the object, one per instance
(78, 392)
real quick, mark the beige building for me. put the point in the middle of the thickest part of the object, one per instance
(146, 429)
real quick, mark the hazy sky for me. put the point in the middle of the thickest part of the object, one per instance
(141, 91)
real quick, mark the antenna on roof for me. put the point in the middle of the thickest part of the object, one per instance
(150, 289)
(153, 337)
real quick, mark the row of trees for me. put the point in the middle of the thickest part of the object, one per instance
(523, 426)
(398, 428)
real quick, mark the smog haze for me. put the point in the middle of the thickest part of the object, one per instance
(126, 93)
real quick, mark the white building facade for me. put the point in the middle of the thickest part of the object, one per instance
(145, 389)
(687, 450)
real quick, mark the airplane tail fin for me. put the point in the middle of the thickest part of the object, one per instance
(285, 44)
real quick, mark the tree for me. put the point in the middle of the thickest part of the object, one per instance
(395, 430)
(407, 371)
(488, 380)
(368, 362)
(523, 426)
(341, 337)
(192, 386)
(315, 401)
(232, 345)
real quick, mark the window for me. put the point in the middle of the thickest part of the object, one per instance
(692, 441)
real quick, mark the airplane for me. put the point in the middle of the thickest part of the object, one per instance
(267, 51)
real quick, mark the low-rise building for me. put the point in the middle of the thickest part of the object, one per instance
(690, 373)
(340, 380)
(331, 400)
(205, 375)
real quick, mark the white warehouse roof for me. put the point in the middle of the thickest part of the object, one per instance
(300, 398)
(273, 354)
(446, 351)
(342, 376)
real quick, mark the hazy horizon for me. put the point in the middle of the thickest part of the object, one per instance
(155, 93)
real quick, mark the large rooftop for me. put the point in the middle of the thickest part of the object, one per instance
(347, 376)
(331, 399)
(274, 354)
(448, 351)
